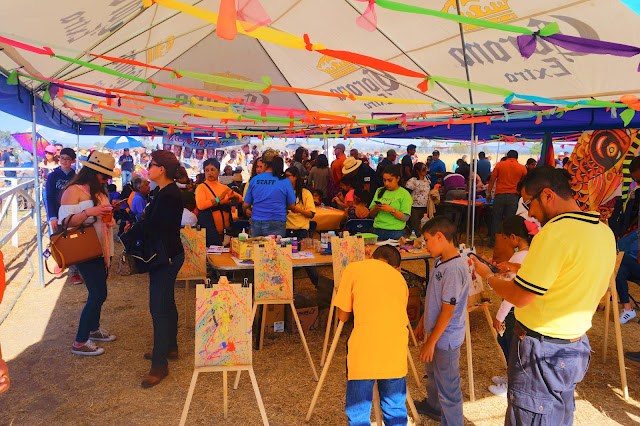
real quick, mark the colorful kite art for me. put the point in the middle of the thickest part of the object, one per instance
(273, 272)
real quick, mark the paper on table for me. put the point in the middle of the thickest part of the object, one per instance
(218, 250)
(389, 241)
(302, 255)
(241, 262)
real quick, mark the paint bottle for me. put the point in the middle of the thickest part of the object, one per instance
(294, 245)
(243, 235)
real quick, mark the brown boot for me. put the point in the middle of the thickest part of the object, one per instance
(172, 355)
(155, 376)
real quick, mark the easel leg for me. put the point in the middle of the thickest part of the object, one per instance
(487, 315)
(616, 324)
(472, 391)
(413, 367)
(187, 403)
(327, 333)
(605, 340)
(186, 303)
(256, 390)
(412, 407)
(377, 410)
(323, 375)
(239, 373)
(225, 395)
(413, 336)
(304, 341)
(264, 321)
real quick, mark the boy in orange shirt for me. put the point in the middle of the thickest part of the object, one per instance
(377, 348)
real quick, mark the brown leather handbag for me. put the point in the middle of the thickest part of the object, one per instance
(75, 245)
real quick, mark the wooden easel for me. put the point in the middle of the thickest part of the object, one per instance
(224, 370)
(376, 396)
(186, 295)
(612, 293)
(193, 251)
(264, 304)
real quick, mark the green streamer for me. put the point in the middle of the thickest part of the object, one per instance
(12, 80)
(400, 7)
(270, 119)
(166, 98)
(471, 85)
(627, 115)
(47, 96)
(223, 81)
(102, 69)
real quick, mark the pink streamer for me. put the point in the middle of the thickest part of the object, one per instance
(368, 20)
(251, 11)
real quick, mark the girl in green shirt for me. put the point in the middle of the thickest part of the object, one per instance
(391, 206)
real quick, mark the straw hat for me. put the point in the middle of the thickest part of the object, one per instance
(350, 165)
(101, 162)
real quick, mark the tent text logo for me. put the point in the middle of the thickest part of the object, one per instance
(495, 11)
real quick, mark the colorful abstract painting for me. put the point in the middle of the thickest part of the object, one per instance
(345, 251)
(273, 272)
(195, 253)
(476, 287)
(223, 328)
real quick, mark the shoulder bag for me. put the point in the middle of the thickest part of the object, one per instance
(76, 245)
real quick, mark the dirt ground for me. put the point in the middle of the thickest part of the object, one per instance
(52, 386)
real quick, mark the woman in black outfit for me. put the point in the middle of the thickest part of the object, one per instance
(162, 221)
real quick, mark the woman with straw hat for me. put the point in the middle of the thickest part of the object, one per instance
(85, 199)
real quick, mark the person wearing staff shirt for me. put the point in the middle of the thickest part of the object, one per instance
(556, 292)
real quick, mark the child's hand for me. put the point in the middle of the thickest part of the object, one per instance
(419, 332)
(508, 267)
(497, 325)
(386, 208)
(426, 353)
(5, 383)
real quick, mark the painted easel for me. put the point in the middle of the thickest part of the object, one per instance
(194, 267)
(376, 397)
(224, 369)
(286, 300)
(612, 293)
(356, 253)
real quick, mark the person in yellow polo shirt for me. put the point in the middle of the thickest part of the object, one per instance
(556, 292)
(375, 291)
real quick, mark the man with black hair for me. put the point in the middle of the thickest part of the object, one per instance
(484, 167)
(437, 169)
(556, 292)
(505, 178)
(531, 164)
(407, 163)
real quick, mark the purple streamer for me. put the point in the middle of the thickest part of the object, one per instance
(78, 89)
(527, 45)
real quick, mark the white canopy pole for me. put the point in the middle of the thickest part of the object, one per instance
(36, 181)
(78, 147)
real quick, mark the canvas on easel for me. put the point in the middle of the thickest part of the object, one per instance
(273, 271)
(195, 261)
(223, 337)
(344, 251)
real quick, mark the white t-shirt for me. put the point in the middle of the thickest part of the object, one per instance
(505, 306)
(188, 218)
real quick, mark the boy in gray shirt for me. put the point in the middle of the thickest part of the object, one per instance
(444, 323)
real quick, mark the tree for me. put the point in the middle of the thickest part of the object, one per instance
(6, 139)
(536, 149)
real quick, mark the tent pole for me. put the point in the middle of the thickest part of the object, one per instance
(470, 200)
(474, 167)
(78, 147)
(36, 184)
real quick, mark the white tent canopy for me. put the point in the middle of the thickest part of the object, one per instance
(165, 38)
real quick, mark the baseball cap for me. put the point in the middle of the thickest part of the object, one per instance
(269, 155)
(340, 146)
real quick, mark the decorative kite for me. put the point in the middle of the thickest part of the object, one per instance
(599, 168)
(26, 142)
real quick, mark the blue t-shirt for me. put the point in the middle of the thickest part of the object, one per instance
(448, 283)
(484, 169)
(270, 197)
(437, 166)
(138, 203)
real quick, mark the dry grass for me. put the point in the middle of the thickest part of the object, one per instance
(52, 386)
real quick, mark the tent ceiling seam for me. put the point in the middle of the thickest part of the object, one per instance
(404, 53)
(293, 6)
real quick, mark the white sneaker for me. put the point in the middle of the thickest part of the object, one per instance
(499, 390)
(626, 316)
(88, 349)
(499, 380)
(102, 335)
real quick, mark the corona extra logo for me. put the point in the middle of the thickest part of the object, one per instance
(217, 88)
(159, 50)
(488, 10)
(336, 68)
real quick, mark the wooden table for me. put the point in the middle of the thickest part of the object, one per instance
(328, 218)
(460, 207)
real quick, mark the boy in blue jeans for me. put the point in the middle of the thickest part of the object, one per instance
(443, 322)
(376, 292)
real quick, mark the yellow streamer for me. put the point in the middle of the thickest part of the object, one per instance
(211, 104)
(262, 33)
(218, 115)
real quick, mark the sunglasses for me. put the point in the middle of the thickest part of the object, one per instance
(154, 164)
(526, 204)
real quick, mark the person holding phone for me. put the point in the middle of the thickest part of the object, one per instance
(391, 206)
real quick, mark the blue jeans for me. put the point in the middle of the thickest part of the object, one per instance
(504, 206)
(629, 271)
(263, 228)
(542, 378)
(443, 385)
(388, 234)
(312, 272)
(393, 394)
(162, 305)
(94, 274)
(126, 177)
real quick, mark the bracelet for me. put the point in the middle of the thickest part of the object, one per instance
(217, 200)
(489, 276)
